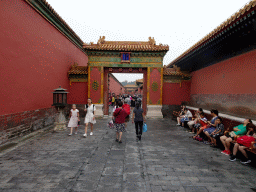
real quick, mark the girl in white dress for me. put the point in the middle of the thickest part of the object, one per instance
(89, 118)
(74, 118)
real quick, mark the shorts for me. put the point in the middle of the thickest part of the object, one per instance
(120, 127)
(210, 130)
(216, 135)
(197, 125)
(183, 120)
(228, 136)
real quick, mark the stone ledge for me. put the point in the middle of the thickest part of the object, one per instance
(223, 115)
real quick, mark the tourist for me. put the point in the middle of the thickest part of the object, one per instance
(132, 103)
(227, 139)
(187, 116)
(243, 143)
(113, 100)
(119, 115)
(127, 108)
(181, 114)
(203, 125)
(117, 99)
(195, 120)
(89, 118)
(138, 117)
(139, 100)
(211, 125)
(127, 100)
(219, 131)
(74, 118)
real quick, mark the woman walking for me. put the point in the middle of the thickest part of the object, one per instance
(139, 118)
(74, 118)
(119, 115)
(89, 118)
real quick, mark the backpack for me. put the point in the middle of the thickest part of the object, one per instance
(87, 108)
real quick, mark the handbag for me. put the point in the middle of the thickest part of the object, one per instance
(111, 124)
(245, 140)
(145, 128)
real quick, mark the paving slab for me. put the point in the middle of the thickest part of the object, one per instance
(167, 159)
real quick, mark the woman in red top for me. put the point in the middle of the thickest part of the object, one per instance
(120, 115)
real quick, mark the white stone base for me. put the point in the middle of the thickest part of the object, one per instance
(154, 111)
(99, 110)
(60, 126)
(60, 121)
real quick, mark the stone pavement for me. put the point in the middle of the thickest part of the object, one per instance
(165, 160)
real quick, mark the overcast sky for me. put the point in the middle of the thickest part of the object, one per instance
(178, 23)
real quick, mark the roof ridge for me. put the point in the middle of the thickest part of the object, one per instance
(60, 18)
(247, 7)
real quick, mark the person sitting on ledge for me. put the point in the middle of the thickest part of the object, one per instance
(211, 125)
(182, 113)
(203, 123)
(243, 143)
(219, 131)
(195, 120)
(187, 117)
(227, 139)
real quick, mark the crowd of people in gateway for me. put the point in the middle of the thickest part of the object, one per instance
(122, 107)
(211, 131)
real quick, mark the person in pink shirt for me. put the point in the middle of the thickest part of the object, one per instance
(119, 122)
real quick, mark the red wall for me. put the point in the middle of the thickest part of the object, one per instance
(35, 58)
(173, 94)
(228, 86)
(78, 93)
(233, 76)
(115, 87)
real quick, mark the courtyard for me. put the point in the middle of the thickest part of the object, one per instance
(167, 159)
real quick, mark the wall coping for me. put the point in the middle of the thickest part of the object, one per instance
(239, 119)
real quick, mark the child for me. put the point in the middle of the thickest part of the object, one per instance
(74, 118)
(219, 131)
(203, 123)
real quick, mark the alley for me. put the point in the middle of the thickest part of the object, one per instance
(166, 159)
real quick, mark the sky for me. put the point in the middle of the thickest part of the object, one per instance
(178, 23)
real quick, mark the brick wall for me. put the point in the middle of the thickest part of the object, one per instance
(19, 124)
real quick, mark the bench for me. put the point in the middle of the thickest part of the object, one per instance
(229, 122)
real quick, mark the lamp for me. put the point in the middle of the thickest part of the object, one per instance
(60, 102)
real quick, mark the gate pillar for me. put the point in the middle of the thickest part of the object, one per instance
(95, 88)
(154, 92)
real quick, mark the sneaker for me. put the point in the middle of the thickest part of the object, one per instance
(91, 133)
(246, 161)
(226, 152)
(206, 142)
(75, 133)
(116, 140)
(232, 158)
(85, 135)
(120, 142)
(70, 134)
(178, 124)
